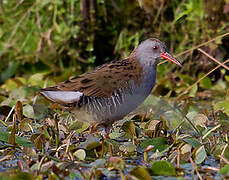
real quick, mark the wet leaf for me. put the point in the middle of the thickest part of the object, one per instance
(80, 154)
(220, 86)
(18, 94)
(129, 128)
(24, 125)
(116, 163)
(226, 152)
(162, 168)
(152, 124)
(41, 111)
(99, 163)
(92, 145)
(79, 126)
(140, 173)
(28, 111)
(4, 136)
(185, 152)
(200, 155)
(127, 147)
(200, 120)
(115, 134)
(30, 152)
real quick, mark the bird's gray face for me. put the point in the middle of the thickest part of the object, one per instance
(151, 50)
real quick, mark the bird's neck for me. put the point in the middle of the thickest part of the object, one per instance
(150, 75)
(148, 69)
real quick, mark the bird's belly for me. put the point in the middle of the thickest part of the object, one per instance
(131, 103)
(111, 109)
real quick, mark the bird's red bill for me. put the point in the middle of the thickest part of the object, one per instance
(167, 56)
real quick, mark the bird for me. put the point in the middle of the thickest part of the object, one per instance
(114, 89)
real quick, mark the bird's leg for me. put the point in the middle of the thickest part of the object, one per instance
(93, 128)
(107, 130)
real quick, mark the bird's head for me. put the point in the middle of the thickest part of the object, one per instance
(151, 50)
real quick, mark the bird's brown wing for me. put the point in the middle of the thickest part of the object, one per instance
(103, 81)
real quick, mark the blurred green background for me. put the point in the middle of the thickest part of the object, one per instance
(59, 39)
(43, 42)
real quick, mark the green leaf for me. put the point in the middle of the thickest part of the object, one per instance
(4, 136)
(224, 170)
(193, 91)
(227, 78)
(36, 80)
(22, 175)
(226, 152)
(159, 143)
(162, 168)
(206, 82)
(186, 78)
(222, 105)
(193, 142)
(10, 71)
(140, 173)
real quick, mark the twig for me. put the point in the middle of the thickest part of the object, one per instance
(162, 62)
(158, 13)
(81, 59)
(190, 122)
(196, 47)
(195, 168)
(40, 164)
(18, 24)
(213, 129)
(115, 6)
(18, 4)
(190, 87)
(208, 55)
(224, 159)
(11, 111)
(202, 44)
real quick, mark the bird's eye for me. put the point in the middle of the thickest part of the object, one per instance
(155, 47)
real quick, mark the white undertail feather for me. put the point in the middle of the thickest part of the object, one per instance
(62, 96)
